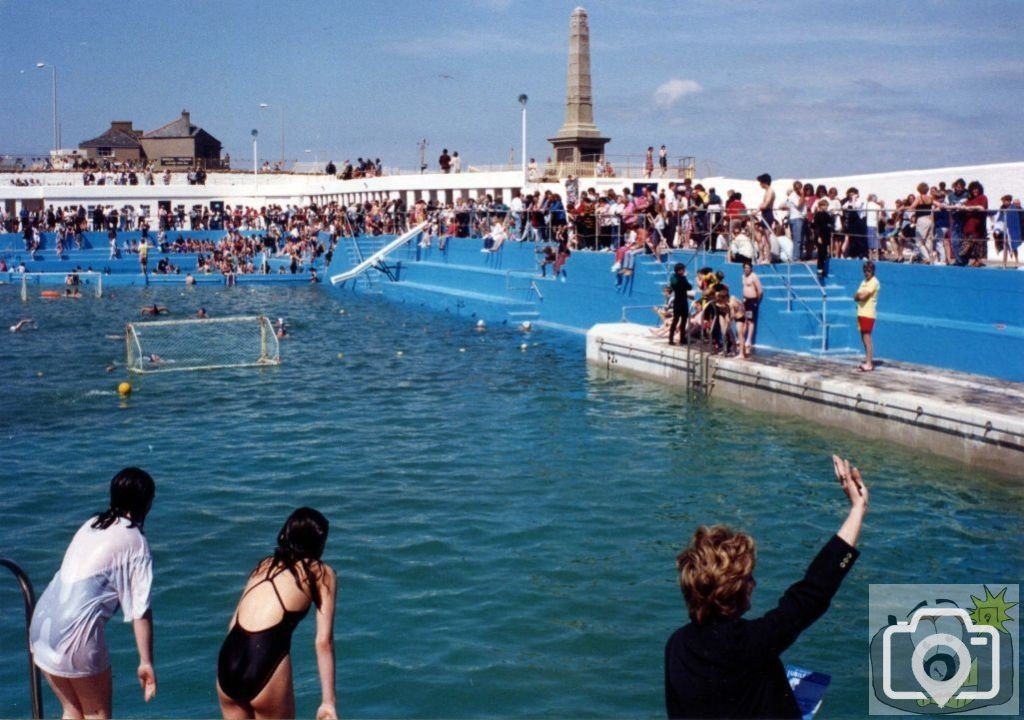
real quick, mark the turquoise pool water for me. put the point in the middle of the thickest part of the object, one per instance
(504, 522)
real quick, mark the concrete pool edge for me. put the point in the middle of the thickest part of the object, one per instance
(972, 419)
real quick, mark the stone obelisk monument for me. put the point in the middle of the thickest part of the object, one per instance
(578, 140)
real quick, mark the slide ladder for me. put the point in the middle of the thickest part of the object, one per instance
(378, 256)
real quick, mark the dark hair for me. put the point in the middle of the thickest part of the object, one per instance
(679, 266)
(131, 495)
(764, 178)
(301, 542)
(975, 185)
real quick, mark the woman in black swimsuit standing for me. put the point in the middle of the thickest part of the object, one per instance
(254, 670)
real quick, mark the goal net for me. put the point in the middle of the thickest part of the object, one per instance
(201, 344)
(74, 283)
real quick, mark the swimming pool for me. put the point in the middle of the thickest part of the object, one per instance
(504, 521)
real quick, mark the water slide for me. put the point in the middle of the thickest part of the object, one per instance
(377, 256)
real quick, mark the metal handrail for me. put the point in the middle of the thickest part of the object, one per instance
(34, 680)
(623, 316)
(790, 296)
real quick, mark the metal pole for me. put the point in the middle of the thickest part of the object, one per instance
(56, 130)
(522, 101)
(255, 159)
(282, 136)
(824, 321)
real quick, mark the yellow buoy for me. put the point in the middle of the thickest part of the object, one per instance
(124, 388)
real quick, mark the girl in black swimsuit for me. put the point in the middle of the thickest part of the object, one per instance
(254, 667)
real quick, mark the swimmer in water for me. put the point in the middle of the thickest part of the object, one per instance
(22, 324)
(201, 313)
(155, 309)
(153, 359)
(282, 331)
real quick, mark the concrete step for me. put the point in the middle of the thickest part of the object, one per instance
(469, 294)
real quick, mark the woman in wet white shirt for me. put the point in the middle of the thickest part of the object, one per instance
(107, 565)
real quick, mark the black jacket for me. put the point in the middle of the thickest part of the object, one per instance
(731, 668)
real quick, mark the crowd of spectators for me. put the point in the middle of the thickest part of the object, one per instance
(362, 169)
(936, 224)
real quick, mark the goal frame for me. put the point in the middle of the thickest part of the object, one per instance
(269, 351)
(57, 280)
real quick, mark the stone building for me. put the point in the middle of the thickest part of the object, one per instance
(179, 143)
(118, 144)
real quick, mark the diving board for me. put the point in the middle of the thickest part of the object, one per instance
(377, 256)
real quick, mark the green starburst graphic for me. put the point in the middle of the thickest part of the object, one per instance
(992, 610)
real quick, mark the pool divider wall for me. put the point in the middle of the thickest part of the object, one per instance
(971, 419)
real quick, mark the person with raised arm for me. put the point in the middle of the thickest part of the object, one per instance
(107, 565)
(254, 668)
(722, 665)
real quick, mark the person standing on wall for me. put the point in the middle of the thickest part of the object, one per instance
(866, 298)
(681, 291)
(752, 294)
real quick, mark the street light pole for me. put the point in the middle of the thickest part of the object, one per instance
(255, 155)
(522, 101)
(56, 131)
(264, 106)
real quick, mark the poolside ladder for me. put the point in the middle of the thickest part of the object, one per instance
(34, 682)
(698, 369)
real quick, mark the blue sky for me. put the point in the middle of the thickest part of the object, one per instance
(792, 88)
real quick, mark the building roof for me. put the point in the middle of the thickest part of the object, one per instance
(182, 127)
(112, 138)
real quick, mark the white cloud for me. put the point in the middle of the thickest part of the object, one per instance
(671, 92)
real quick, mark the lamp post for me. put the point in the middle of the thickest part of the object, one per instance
(522, 101)
(255, 155)
(56, 131)
(422, 145)
(264, 106)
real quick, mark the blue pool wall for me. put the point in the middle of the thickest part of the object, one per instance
(966, 319)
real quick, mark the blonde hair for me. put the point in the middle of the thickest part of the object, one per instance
(716, 572)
